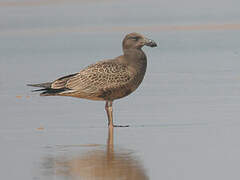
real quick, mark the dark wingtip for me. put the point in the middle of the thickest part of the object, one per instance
(34, 85)
(39, 90)
(44, 85)
(30, 85)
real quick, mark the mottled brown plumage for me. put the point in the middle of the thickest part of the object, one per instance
(108, 79)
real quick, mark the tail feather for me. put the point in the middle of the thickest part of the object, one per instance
(47, 90)
(44, 85)
(51, 92)
(36, 90)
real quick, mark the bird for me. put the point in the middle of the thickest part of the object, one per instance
(106, 80)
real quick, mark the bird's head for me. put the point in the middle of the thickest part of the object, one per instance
(136, 41)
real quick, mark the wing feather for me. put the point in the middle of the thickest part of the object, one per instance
(61, 82)
(100, 76)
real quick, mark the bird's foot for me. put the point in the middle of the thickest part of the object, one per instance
(121, 126)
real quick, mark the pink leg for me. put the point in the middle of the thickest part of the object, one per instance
(109, 109)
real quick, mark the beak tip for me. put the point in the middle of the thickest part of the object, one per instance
(151, 43)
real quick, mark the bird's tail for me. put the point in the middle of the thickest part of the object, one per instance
(50, 92)
(43, 85)
(47, 90)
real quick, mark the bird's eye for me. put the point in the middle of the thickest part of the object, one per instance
(135, 38)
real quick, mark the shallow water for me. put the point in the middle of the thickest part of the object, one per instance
(184, 118)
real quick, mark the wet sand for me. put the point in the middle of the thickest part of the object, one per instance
(184, 118)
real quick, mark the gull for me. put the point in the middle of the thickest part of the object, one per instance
(106, 80)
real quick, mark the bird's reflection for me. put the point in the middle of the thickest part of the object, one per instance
(108, 163)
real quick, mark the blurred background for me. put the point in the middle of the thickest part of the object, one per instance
(184, 118)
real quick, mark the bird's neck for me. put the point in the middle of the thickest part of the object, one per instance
(137, 61)
(135, 57)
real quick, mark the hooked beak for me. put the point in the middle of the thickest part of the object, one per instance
(149, 42)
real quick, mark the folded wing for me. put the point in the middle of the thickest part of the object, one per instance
(91, 81)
